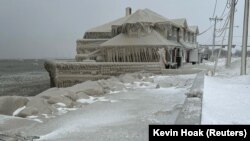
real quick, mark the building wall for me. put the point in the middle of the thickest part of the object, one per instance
(66, 73)
(87, 46)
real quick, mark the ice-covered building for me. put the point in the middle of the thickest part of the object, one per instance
(128, 44)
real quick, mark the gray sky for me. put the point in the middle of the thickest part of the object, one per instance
(49, 28)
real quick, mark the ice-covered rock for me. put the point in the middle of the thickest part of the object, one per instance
(111, 84)
(9, 104)
(82, 95)
(127, 78)
(60, 99)
(88, 87)
(55, 92)
(29, 111)
(148, 79)
(41, 105)
(73, 97)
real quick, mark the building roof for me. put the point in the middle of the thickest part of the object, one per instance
(107, 27)
(194, 29)
(188, 45)
(144, 15)
(181, 22)
(153, 39)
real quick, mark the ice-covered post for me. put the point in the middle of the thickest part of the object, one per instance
(244, 39)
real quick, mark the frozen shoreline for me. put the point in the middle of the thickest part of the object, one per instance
(130, 105)
(121, 108)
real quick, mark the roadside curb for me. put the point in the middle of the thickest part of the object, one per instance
(192, 107)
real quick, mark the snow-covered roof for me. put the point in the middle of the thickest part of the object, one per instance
(194, 29)
(151, 39)
(144, 15)
(188, 45)
(181, 22)
(107, 27)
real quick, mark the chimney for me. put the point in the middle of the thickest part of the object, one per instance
(128, 11)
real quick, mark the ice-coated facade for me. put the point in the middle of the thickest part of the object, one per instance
(128, 44)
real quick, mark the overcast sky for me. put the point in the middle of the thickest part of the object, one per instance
(49, 28)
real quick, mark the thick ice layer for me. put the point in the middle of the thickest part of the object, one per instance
(133, 109)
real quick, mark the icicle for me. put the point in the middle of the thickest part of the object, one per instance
(136, 59)
(139, 54)
(124, 55)
(112, 54)
(132, 54)
(154, 56)
(107, 52)
(175, 55)
(117, 55)
(150, 55)
(145, 51)
(143, 54)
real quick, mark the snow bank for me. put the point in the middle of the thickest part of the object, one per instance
(226, 100)
(57, 101)
(226, 96)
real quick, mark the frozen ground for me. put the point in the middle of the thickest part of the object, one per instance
(123, 107)
(117, 115)
(23, 77)
(226, 97)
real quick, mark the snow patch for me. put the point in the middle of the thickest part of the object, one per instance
(32, 117)
(89, 101)
(114, 92)
(18, 110)
(61, 104)
(93, 100)
(47, 116)
(38, 120)
(63, 110)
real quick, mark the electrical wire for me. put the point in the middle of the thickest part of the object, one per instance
(206, 30)
(215, 7)
(222, 15)
(222, 29)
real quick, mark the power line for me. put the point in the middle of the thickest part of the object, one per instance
(222, 15)
(206, 30)
(215, 7)
(214, 33)
(223, 29)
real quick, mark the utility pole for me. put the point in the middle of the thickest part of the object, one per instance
(230, 35)
(214, 34)
(244, 39)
